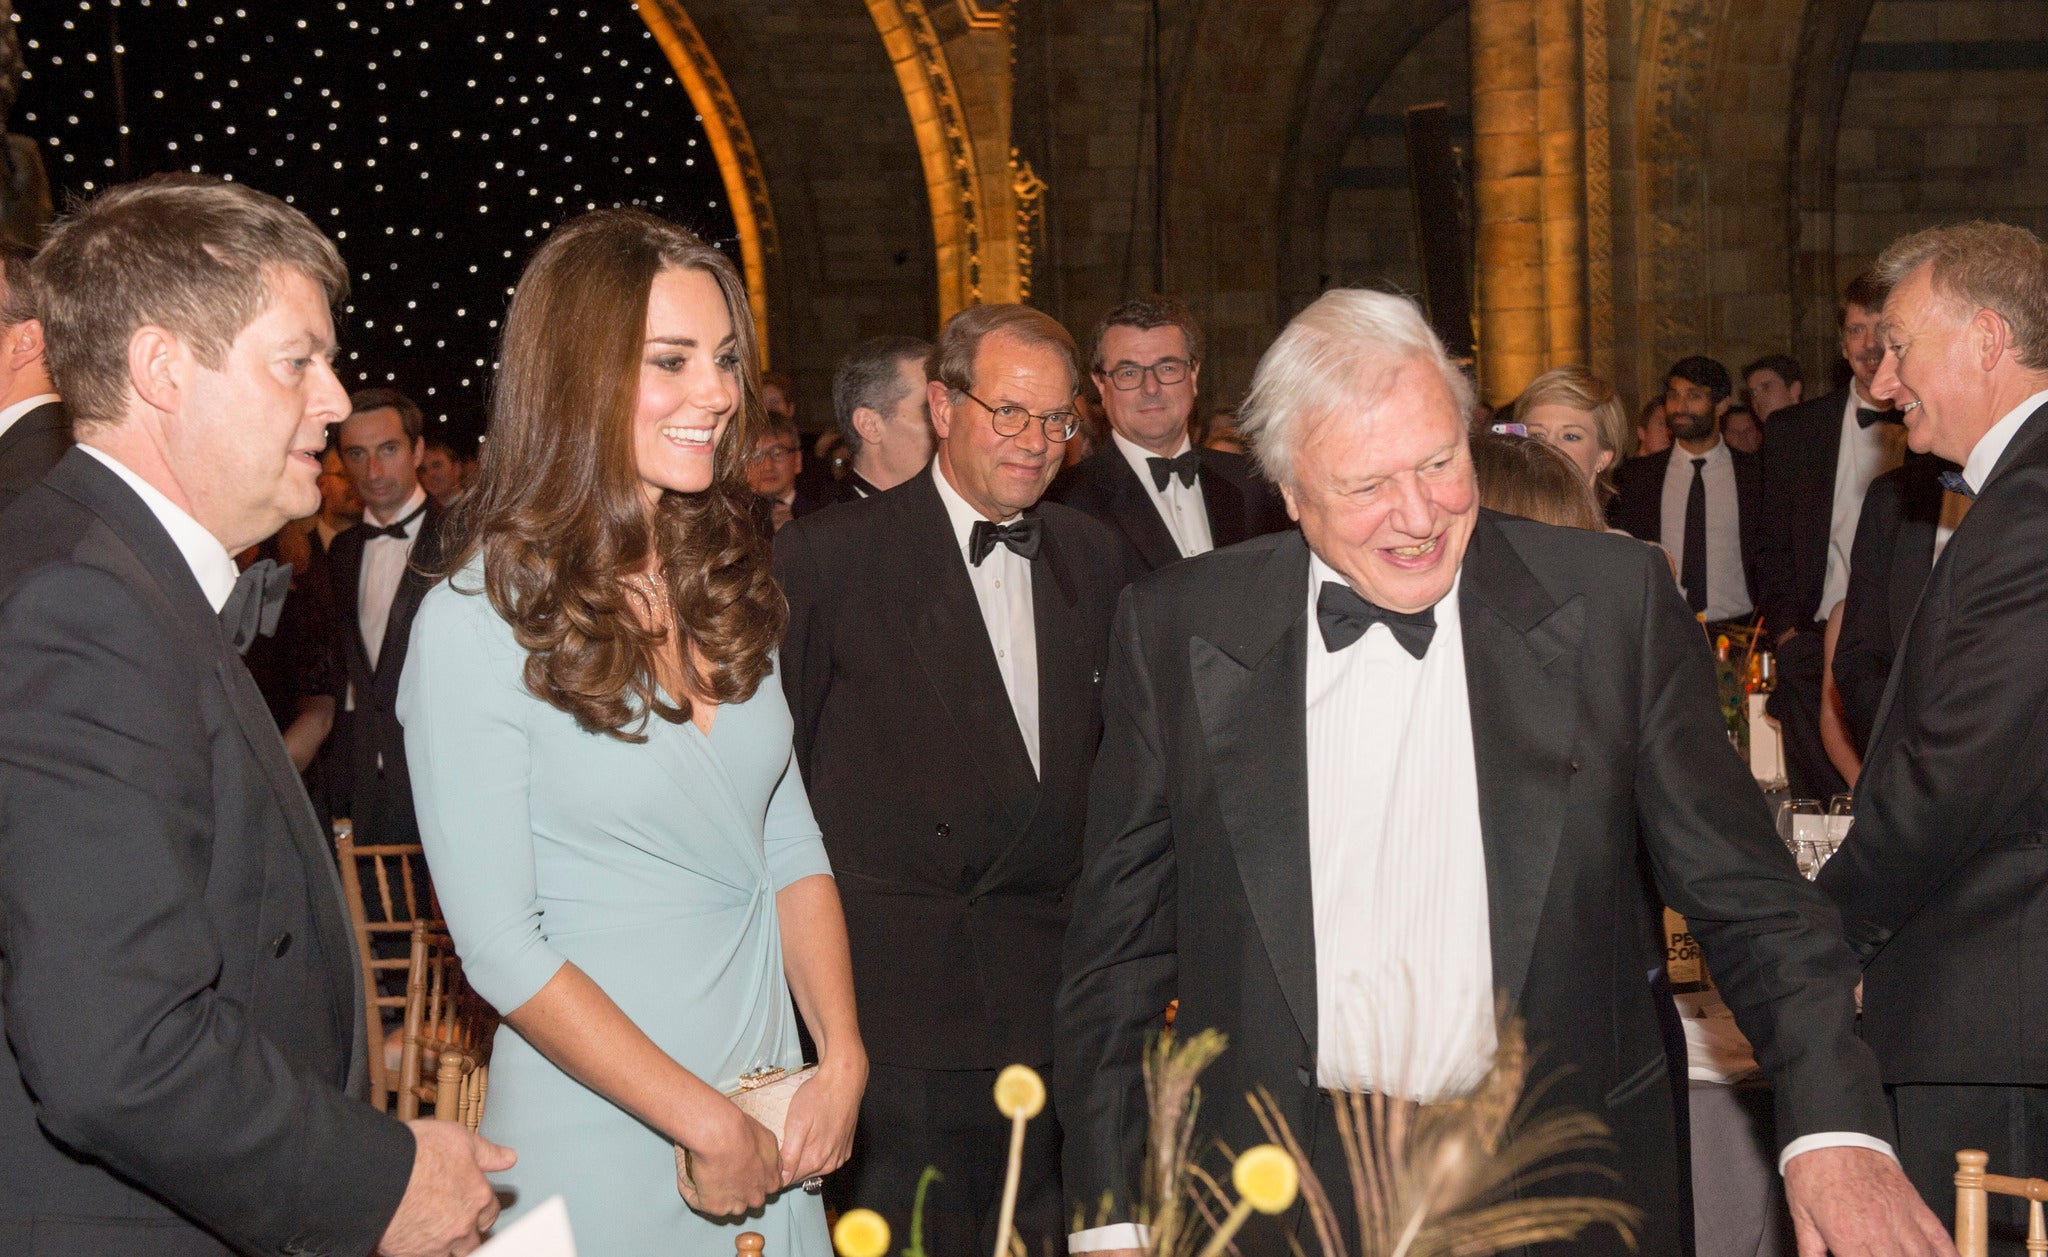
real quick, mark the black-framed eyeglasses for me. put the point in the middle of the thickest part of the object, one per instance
(1060, 425)
(1129, 375)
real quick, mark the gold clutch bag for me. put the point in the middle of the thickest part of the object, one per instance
(763, 1095)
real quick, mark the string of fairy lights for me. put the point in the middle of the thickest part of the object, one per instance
(437, 141)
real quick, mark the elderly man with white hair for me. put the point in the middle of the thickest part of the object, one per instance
(1358, 781)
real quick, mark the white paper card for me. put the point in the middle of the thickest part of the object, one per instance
(1807, 828)
(540, 1232)
(1766, 744)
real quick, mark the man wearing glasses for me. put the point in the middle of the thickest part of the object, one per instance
(1170, 500)
(943, 659)
(772, 471)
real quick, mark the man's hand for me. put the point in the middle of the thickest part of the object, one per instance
(448, 1204)
(1854, 1202)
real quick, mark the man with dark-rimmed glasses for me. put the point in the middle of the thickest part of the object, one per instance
(945, 646)
(1169, 499)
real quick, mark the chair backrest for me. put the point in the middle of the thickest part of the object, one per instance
(445, 1061)
(387, 891)
(1974, 1189)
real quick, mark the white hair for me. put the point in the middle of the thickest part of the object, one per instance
(1339, 354)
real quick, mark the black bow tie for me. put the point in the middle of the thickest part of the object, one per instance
(1953, 481)
(1865, 416)
(1165, 469)
(1021, 536)
(251, 611)
(1344, 616)
(398, 530)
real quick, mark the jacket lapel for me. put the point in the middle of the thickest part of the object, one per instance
(950, 641)
(1251, 688)
(413, 585)
(1225, 503)
(1522, 655)
(1136, 514)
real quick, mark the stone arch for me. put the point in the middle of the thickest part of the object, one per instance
(739, 165)
(835, 170)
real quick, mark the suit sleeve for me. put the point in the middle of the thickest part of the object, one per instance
(463, 703)
(1973, 743)
(1772, 941)
(111, 956)
(1773, 546)
(805, 664)
(1863, 651)
(1120, 956)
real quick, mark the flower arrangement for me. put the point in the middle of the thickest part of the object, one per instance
(1425, 1180)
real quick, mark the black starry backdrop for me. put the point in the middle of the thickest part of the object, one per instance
(436, 142)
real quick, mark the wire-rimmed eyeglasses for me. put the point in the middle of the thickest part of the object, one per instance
(1129, 375)
(1060, 425)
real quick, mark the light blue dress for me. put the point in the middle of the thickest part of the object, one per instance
(653, 867)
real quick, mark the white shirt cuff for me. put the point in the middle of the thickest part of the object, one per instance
(1833, 1139)
(1103, 1239)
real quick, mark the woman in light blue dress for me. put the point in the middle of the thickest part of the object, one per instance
(600, 754)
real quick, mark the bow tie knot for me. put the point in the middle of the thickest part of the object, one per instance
(398, 531)
(1344, 617)
(1020, 535)
(1954, 482)
(1186, 466)
(1865, 416)
(251, 611)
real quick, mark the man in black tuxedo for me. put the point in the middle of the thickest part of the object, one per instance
(946, 641)
(1355, 781)
(878, 399)
(1701, 499)
(181, 1025)
(34, 430)
(1907, 519)
(772, 471)
(1148, 481)
(380, 571)
(1819, 458)
(1943, 881)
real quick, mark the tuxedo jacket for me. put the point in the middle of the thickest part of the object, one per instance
(375, 802)
(1595, 729)
(954, 861)
(1639, 508)
(1800, 446)
(31, 447)
(1888, 567)
(1240, 504)
(1943, 881)
(182, 1015)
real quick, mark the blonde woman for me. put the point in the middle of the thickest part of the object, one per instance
(1580, 414)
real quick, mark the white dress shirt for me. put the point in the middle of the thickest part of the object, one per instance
(1002, 585)
(1991, 446)
(1181, 506)
(384, 561)
(1727, 588)
(1397, 868)
(212, 566)
(22, 407)
(1865, 454)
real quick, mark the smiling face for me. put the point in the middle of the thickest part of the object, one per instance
(689, 383)
(1861, 346)
(1002, 475)
(1933, 369)
(1387, 497)
(1152, 415)
(1573, 433)
(245, 444)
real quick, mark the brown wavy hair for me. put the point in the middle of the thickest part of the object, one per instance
(557, 511)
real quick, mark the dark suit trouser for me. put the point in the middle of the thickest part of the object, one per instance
(1795, 704)
(1938, 1120)
(912, 1118)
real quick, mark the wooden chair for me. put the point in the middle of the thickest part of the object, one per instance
(387, 891)
(1974, 1189)
(448, 1031)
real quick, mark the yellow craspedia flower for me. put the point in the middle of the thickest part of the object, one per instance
(861, 1233)
(1266, 1178)
(1020, 1092)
